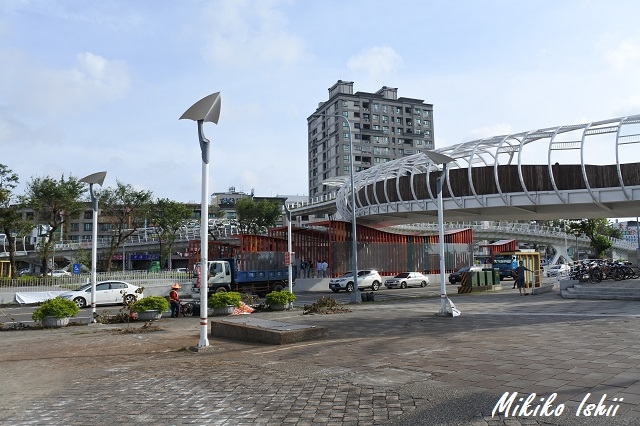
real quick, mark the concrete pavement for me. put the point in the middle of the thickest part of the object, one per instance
(386, 363)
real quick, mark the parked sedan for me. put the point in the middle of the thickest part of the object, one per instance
(456, 277)
(407, 279)
(107, 293)
(59, 273)
(367, 278)
(558, 270)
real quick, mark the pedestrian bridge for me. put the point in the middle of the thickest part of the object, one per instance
(589, 170)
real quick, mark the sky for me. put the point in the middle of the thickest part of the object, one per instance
(88, 86)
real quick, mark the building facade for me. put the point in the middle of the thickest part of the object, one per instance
(383, 126)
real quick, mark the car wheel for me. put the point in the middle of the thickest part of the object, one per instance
(221, 290)
(129, 299)
(349, 287)
(335, 290)
(403, 284)
(375, 286)
(80, 302)
(423, 284)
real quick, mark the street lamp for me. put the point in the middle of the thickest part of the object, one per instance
(443, 160)
(355, 294)
(290, 270)
(91, 179)
(206, 109)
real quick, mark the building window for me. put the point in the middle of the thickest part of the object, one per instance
(385, 118)
(345, 148)
(376, 117)
(385, 108)
(418, 122)
(356, 104)
(418, 141)
(88, 227)
(385, 140)
(376, 107)
(344, 104)
(385, 130)
(376, 139)
(376, 160)
(345, 159)
(427, 123)
(345, 114)
(398, 131)
(365, 117)
(427, 132)
(376, 127)
(398, 120)
(416, 111)
(355, 125)
(75, 227)
(345, 135)
(345, 124)
(398, 110)
(426, 113)
(88, 214)
(345, 169)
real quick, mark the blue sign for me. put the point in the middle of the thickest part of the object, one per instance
(76, 269)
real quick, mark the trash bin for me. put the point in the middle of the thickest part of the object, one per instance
(496, 276)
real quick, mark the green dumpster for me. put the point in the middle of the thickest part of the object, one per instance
(469, 279)
(482, 278)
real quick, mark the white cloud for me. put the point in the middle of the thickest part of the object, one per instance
(35, 89)
(623, 56)
(250, 32)
(377, 61)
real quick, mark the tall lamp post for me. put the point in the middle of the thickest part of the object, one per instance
(206, 109)
(91, 179)
(443, 160)
(290, 270)
(355, 294)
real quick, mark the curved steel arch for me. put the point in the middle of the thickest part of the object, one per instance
(487, 152)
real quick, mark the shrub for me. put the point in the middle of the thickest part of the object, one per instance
(225, 298)
(58, 307)
(282, 297)
(150, 303)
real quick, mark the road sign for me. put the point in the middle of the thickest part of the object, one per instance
(75, 270)
(287, 258)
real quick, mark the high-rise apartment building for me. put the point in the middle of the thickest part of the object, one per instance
(384, 128)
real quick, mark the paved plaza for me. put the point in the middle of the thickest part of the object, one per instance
(384, 363)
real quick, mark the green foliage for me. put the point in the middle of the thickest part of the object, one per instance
(58, 307)
(11, 221)
(168, 217)
(282, 297)
(123, 209)
(151, 303)
(53, 202)
(255, 218)
(596, 230)
(224, 298)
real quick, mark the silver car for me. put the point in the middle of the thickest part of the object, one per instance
(367, 278)
(407, 279)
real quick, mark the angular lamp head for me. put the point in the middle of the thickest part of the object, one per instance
(95, 178)
(206, 109)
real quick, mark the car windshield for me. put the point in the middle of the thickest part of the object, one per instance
(83, 287)
(348, 274)
(464, 269)
(403, 275)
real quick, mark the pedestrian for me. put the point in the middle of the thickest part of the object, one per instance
(319, 268)
(520, 279)
(303, 269)
(174, 300)
(325, 266)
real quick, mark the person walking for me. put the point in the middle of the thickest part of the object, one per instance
(303, 269)
(174, 300)
(520, 279)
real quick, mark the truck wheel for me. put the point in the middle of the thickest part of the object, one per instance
(278, 287)
(221, 290)
(349, 287)
(375, 286)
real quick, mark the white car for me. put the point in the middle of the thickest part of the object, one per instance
(107, 293)
(558, 270)
(407, 279)
(59, 273)
(367, 278)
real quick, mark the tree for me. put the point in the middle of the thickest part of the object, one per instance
(168, 217)
(53, 202)
(122, 210)
(594, 229)
(254, 218)
(11, 222)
